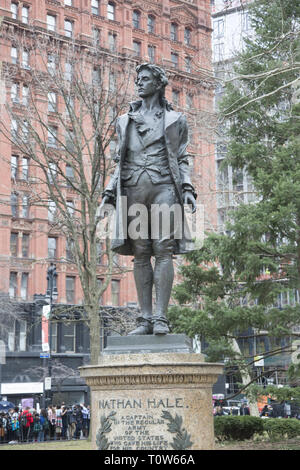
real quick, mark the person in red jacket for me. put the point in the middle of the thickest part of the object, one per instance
(26, 424)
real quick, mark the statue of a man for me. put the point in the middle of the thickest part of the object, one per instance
(152, 169)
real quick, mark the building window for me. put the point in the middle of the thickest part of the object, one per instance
(175, 97)
(115, 292)
(71, 208)
(218, 52)
(189, 101)
(14, 55)
(95, 7)
(69, 175)
(25, 131)
(13, 285)
(70, 289)
(151, 54)
(51, 211)
(25, 95)
(14, 129)
(96, 76)
(136, 19)
(52, 136)
(70, 250)
(52, 172)
(14, 167)
(24, 286)
(14, 10)
(174, 59)
(25, 168)
(112, 82)
(14, 205)
(111, 11)
(174, 32)
(68, 28)
(68, 3)
(25, 206)
(14, 92)
(14, 244)
(99, 284)
(245, 21)
(22, 335)
(51, 23)
(68, 71)
(96, 36)
(51, 64)
(25, 59)
(187, 36)
(218, 28)
(52, 102)
(112, 42)
(53, 336)
(187, 63)
(25, 14)
(151, 24)
(137, 48)
(52, 245)
(25, 245)
(68, 335)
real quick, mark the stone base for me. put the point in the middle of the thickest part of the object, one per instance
(151, 401)
(148, 344)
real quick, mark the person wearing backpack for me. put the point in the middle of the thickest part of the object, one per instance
(36, 427)
(26, 422)
(14, 426)
(45, 426)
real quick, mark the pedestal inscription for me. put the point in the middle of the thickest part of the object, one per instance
(152, 401)
(142, 423)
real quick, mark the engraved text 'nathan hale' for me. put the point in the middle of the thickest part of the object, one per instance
(150, 403)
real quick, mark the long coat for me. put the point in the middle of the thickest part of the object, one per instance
(176, 138)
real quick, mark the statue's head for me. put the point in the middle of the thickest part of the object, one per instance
(156, 74)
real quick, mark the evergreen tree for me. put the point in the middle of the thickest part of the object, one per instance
(245, 283)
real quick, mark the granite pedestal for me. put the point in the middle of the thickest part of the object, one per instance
(147, 395)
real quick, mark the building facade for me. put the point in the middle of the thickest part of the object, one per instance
(173, 34)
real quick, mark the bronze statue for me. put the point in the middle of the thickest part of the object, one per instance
(152, 169)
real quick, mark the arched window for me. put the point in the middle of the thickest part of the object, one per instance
(174, 32)
(151, 24)
(187, 36)
(136, 19)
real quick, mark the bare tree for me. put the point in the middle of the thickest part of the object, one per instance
(65, 125)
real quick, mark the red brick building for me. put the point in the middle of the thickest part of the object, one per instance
(174, 34)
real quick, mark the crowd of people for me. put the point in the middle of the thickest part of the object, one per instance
(52, 423)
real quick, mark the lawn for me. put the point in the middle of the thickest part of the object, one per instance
(83, 444)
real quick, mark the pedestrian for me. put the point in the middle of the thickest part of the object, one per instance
(44, 425)
(71, 423)
(287, 410)
(79, 421)
(244, 410)
(219, 411)
(14, 433)
(52, 421)
(37, 427)
(64, 419)
(3, 427)
(26, 423)
(58, 424)
(85, 413)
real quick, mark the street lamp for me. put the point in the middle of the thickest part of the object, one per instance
(50, 297)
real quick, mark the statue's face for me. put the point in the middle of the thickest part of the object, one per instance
(147, 84)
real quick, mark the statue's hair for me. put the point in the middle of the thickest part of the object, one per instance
(157, 72)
